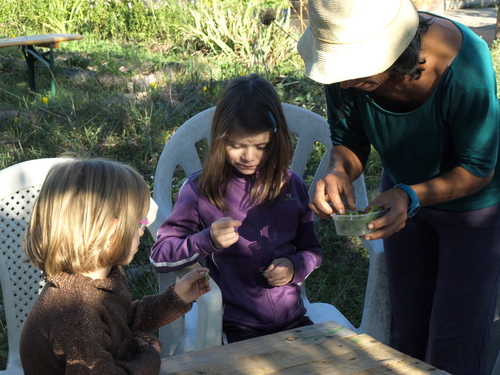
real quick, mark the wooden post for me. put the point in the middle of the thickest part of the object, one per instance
(497, 29)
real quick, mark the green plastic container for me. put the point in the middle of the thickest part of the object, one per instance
(355, 224)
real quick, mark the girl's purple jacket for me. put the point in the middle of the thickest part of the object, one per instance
(282, 229)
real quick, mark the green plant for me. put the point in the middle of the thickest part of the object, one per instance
(62, 15)
(355, 223)
(4, 347)
(373, 173)
(236, 31)
(495, 54)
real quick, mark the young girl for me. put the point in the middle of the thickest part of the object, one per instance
(247, 215)
(85, 225)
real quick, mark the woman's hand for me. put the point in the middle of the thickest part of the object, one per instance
(454, 184)
(332, 188)
(395, 202)
(223, 232)
(192, 285)
(280, 272)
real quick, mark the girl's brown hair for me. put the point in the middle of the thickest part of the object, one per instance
(85, 216)
(252, 105)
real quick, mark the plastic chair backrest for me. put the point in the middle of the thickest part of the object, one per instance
(180, 151)
(21, 282)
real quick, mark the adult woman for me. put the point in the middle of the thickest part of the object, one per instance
(421, 90)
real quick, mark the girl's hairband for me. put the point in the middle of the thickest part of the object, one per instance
(273, 120)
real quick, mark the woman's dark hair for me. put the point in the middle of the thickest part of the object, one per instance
(248, 104)
(409, 63)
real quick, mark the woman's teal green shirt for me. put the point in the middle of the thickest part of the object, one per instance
(457, 125)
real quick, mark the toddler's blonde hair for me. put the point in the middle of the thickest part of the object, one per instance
(85, 216)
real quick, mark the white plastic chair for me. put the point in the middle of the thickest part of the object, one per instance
(180, 151)
(20, 281)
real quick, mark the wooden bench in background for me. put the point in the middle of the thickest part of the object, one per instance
(31, 54)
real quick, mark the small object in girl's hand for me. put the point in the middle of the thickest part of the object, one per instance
(206, 277)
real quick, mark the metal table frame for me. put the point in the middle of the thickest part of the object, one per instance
(31, 54)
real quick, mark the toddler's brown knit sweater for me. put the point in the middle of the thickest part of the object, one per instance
(83, 326)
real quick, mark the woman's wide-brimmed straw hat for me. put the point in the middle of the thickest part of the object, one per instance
(349, 39)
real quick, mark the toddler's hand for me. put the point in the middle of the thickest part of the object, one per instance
(223, 232)
(154, 344)
(280, 272)
(192, 285)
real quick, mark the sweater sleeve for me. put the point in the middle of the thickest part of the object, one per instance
(471, 108)
(148, 362)
(308, 253)
(182, 239)
(152, 312)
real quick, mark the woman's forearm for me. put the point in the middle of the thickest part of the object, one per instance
(345, 160)
(454, 184)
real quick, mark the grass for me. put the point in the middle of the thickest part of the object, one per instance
(102, 116)
(133, 80)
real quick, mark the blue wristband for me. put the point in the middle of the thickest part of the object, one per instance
(414, 201)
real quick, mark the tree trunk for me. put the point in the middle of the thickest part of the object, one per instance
(497, 30)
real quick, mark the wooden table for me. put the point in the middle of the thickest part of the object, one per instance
(325, 348)
(31, 54)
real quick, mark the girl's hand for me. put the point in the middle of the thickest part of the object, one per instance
(154, 344)
(280, 272)
(192, 285)
(223, 232)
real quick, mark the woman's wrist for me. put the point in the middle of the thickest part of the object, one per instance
(414, 205)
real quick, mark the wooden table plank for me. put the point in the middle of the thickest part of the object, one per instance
(287, 339)
(276, 359)
(367, 356)
(38, 39)
(410, 366)
(319, 350)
